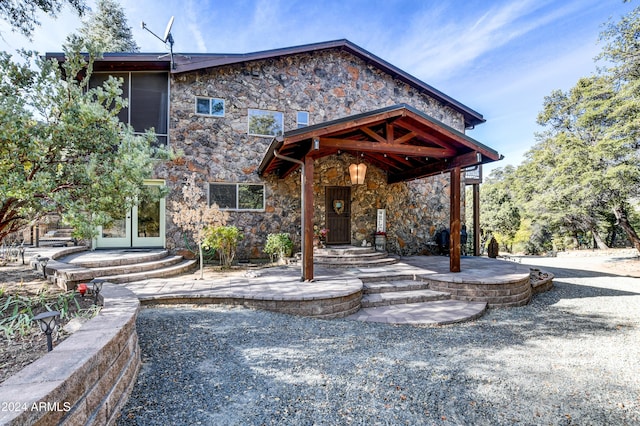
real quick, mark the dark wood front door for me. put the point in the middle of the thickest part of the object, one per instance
(338, 214)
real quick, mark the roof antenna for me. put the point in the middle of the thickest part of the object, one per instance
(167, 38)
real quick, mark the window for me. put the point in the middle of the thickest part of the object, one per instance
(148, 96)
(237, 196)
(210, 106)
(265, 123)
(302, 119)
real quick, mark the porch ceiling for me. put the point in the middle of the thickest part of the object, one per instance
(400, 140)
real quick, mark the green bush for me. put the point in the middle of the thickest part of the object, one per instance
(223, 239)
(278, 246)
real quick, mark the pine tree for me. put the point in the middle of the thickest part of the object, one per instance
(108, 28)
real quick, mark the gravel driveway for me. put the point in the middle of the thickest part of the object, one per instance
(572, 356)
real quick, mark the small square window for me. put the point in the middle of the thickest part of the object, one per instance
(223, 194)
(210, 106)
(302, 119)
(237, 196)
(265, 123)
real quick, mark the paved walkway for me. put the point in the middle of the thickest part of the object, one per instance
(284, 284)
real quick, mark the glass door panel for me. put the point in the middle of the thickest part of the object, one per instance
(118, 234)
(148, 219)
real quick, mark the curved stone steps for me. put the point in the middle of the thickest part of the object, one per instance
(402, 297)
(169, 271)
(439, 312)
(349, 257)
(133, 268)
(112, 258)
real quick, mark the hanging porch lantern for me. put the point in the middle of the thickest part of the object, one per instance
(357, 173)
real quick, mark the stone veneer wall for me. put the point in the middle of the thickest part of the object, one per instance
(329, 85)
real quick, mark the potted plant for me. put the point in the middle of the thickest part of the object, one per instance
(279, 246)
(319, 236)
(381, 241)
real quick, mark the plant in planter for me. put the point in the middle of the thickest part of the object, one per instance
(279, 246)
(381, 241)
(319, 236)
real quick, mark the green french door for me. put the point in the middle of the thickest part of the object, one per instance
(142, 226)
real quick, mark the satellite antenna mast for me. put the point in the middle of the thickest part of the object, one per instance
(166, 38)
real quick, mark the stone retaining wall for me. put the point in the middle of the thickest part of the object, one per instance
(498, 295)
(322, 308)
(87, 378)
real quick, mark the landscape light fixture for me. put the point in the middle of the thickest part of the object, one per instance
(42, 261)
(97, 288)
(48, 321)
(21, 250)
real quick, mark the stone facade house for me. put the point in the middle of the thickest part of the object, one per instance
(255, 127)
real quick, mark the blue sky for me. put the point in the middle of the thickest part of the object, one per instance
(498, 57)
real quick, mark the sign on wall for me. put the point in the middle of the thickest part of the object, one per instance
(381, 221)
(473, 175)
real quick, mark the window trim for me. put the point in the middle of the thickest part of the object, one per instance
(210, 98)
(267, 111)
(128, 82)
(300, 124)
(237, 186)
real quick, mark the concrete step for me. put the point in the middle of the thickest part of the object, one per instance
(360, 263)
(343, 251)
(401, 284)
(439, 312)
(177, 269)
(134, 268)
(402, 297)
(356, 258)
(107, 258)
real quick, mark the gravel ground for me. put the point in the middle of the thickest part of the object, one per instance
(572, 356)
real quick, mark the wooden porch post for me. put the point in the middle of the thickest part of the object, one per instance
(476, 220)
(307, 261)
(454, 236)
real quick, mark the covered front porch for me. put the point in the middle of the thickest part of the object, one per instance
(400, 142)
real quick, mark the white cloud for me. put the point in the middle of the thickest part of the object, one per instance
(194, 25)
(439, 42)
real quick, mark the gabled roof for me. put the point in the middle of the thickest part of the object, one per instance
(191, 62)
(197, 61)
(401, 140)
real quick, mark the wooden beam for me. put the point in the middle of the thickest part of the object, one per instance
(454, 236)
(465, 160)
(307, 265)
(476, 219)
(390, 138)
(373, 134)
(408, 150)
(405, 138)
(367, 121)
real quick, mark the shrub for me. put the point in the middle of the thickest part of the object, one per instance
(278, 246)
(223, 239)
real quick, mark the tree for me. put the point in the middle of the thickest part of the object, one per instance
(194, 215)
(502, 215)
(21, 14)
(62, 147)
(107, 28)
(586, 164)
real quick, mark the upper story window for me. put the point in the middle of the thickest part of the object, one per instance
(237, 196)
(210, 106)
(302, 119)
(265, 123)
(148, 95)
